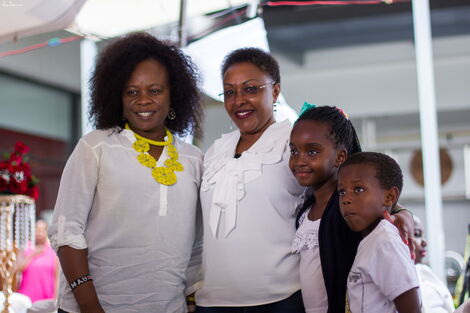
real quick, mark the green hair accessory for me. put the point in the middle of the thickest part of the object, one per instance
(307, 106)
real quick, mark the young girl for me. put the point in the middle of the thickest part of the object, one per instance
(322, 139)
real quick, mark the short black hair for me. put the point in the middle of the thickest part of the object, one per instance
(342, 130)
(258, 57)
(387, 170)
(114, 68)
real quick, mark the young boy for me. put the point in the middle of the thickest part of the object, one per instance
(382, 278)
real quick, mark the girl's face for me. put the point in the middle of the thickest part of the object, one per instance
(249, 95)
(146, 99)
(314, 157)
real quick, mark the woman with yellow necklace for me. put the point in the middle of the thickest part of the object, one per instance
(127, 215)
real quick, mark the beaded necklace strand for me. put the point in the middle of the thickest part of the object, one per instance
(165, 175)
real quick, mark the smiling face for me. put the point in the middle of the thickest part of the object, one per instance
(146, 99)
(250, 107)
(361, 199)
(314, 158)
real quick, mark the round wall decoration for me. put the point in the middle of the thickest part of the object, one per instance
(416, 166)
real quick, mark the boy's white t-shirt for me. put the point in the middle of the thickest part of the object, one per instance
(382, 270)
(306, 243)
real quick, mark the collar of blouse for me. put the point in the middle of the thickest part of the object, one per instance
(228, 176)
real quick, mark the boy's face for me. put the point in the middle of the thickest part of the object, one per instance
(361, 199)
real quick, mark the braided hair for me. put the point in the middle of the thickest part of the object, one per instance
(341, 129)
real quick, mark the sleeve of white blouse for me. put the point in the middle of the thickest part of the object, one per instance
(194, 270)
(75, 198)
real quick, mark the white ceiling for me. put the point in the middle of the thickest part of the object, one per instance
(109, 18)
(21, 18)
(104, 18)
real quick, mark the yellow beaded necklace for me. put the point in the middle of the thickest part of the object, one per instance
(163, 175)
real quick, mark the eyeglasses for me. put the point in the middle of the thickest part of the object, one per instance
(249, 91)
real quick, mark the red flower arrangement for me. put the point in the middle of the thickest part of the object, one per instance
(15, 174)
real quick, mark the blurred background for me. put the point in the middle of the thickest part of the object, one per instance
(357, 55)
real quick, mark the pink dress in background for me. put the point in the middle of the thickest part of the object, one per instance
(39, 277)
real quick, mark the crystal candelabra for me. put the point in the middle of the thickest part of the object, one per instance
(17, 226)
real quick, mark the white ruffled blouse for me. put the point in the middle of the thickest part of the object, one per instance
(249, 208)
(226, 173)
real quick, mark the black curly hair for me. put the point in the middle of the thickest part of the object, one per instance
(115, 66)
(260, 58)
(387, 170)
(342, 130)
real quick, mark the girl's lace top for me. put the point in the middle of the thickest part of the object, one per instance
(306, 236)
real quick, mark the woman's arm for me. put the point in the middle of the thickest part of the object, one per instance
(23, 261)
(57, 277)
(408, 302)
(66, 233)
(74, 265)
(193, 271)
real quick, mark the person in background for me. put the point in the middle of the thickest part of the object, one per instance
(435, 294)
(125, 223)
(382, 278)
(39, 267)
(249, 198)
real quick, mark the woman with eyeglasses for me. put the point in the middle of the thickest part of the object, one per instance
(249, 198)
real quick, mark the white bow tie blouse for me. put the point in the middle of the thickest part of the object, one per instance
(249, 210)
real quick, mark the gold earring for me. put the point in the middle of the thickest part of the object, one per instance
(171, 114)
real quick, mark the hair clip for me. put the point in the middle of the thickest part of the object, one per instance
(307, 106)
(344, 113)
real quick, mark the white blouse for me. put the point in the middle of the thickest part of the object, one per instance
(249, 210)
(141, 257)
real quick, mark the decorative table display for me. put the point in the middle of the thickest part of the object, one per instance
(18, 192)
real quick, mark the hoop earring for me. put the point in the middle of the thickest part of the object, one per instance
(171, 114)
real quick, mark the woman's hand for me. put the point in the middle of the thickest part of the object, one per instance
(22, 262)
(96, 308)
(74, 264)
(403, 220)
(191, 303)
